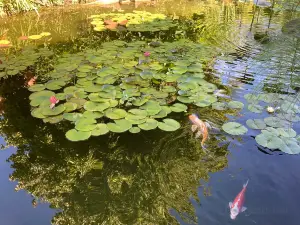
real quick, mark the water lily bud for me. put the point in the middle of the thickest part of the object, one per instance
(147, 54)
(270, 109)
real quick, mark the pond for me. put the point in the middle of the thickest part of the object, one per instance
(103, 111)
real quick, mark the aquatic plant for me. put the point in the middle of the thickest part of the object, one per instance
(276, 131)
(14, 64)
(136, 21)
(116, 88)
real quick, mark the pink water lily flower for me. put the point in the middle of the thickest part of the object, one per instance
(53, 101)
(147, 54)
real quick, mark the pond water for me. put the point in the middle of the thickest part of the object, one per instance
(155, 176)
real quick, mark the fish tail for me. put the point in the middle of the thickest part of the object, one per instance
(245, 185)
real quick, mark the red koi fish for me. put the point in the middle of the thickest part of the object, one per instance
(237, 206)
(53, 101)
(201, 126)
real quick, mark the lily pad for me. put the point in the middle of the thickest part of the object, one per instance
(70, 106)
(234, 128)
(46, 111)
(119, 126)
(37, 113)
(101, 129)
(219, 106)
(149, 124)
(169, 125)
(178, 107)
(184, 99)
(151, 107)
(85, 124)
(275, 122)
(92, 115)
(53, 119)
(93, 106)
(235, 105)
(256, 124)
(134, 130)
(74, 135)
(36, 87)
(269, 140)
(115, 114)
(288, 132)
(255, 108)
(72, 116)
(290, 146)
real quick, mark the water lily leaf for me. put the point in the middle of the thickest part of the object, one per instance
(39, 94)
(178, 107)
(234, 128)
(74, 135)
(72, 116)
(36, 87)
(269, 140)
(275, 122)
(256, 124)
(287, 132)
(168, 89)
(70, 106)
(149, 124)
(219, 106)
(37, 113)
(255, 108)
(140, 101)
(119, 126)
(79, 101)
(134, 130)
(95, 106)
(35, 37)
(206, 100)
(292, 117)
(184, 99)
(146, 74)
(115, 114)
(100, 129)
(290, 146)
(46, 111)
(54, 85)
(235, 105)
(92, 115)
(162, 113)
(270, 131)
(151, 107)
(195, 68)
(53, 119)
(251, 98)
(85, 124)
(169, 125)
(136, 114)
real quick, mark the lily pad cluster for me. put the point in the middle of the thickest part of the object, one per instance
(276, 131)
(15, 64)
(136, 21)
(117, 88)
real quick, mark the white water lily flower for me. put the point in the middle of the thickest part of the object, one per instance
(270, 109)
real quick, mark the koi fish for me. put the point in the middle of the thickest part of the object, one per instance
(202, 128)
(31, 81)
(53, 101)
(237, 206)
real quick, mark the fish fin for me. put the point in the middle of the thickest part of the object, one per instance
(243, 209)
(198, 134)
(194, 127)
(230, 204)
(207, 125)
(245, 185)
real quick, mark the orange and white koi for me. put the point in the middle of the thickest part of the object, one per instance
(202, 128)
(236, 206)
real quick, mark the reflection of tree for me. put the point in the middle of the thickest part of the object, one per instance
(134, 179)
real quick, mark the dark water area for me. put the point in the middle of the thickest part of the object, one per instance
(154, 177)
